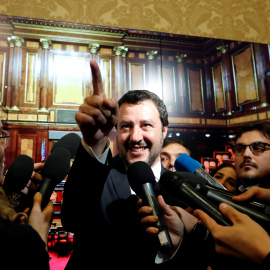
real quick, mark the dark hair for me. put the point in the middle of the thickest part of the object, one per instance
(264, 129)
(168, 141)
(221, 166)
(137, 96)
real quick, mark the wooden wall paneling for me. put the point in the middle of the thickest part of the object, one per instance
(11, 152)
(260, 64)
(108, 75)
(69, 85)
(169, 82)
(182, 89)
(245, 78)
(30, 78)
(3, 61)
(195, 88)
(27, 144)
(218, 87)
(229, 87)
(136, 74)
(209, 90)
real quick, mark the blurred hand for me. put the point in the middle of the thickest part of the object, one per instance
(245, 239)
(41, 220)
(254, 192)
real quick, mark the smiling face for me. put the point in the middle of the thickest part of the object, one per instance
(252, 169)
(139, 133)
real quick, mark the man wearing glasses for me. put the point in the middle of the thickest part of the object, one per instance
(252, 156)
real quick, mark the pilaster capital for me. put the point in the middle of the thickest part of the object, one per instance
(120, 51)
(94, 48)
(45, 43)
(15, 41)
(223, 48)
(180, 57)
(151, 54)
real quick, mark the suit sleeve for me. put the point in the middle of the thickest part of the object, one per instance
(83, 188)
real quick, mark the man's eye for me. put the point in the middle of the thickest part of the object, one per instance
(163, 159)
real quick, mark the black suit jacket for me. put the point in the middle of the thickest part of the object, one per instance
(101, 211)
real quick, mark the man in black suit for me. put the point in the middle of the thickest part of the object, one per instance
(98, 203)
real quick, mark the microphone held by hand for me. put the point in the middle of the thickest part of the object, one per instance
(142, 181)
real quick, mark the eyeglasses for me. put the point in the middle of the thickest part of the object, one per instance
(4, 139)
(257, 148)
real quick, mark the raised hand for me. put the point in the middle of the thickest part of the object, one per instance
(98, 114)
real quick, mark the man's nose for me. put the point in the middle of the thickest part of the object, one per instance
(136, 134)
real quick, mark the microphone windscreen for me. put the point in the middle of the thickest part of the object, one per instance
(57, 165)
(70, 142)
(19, 173)
(138, 174)
(185, 163)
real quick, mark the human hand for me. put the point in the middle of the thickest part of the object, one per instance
(97, 115)
(171, 218)
(257, 192)
(245, 239)
(41, 220)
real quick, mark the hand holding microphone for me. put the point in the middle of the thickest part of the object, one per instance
(142, 181)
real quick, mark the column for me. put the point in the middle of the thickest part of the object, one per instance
(152, 78)
(183, 100)
(260, 61)
(227, 78)
(44, 74)
(16, 72)
(94, 51)
(210, 102)
(120, 85)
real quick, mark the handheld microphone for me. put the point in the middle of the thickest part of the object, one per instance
(215, 196)
(185, 163)
(142, 180)
(17, 177)
(70, 142)
(55, 169)
(169, 182)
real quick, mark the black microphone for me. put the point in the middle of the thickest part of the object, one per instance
(16, 179)
(142, 181)
(187, 164)
(70, 142)
(217, 196)
(55, 169)
(169, 182)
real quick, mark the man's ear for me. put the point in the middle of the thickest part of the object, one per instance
(165, 129)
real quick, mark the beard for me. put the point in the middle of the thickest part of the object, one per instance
(250, 181)
(153, 155)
